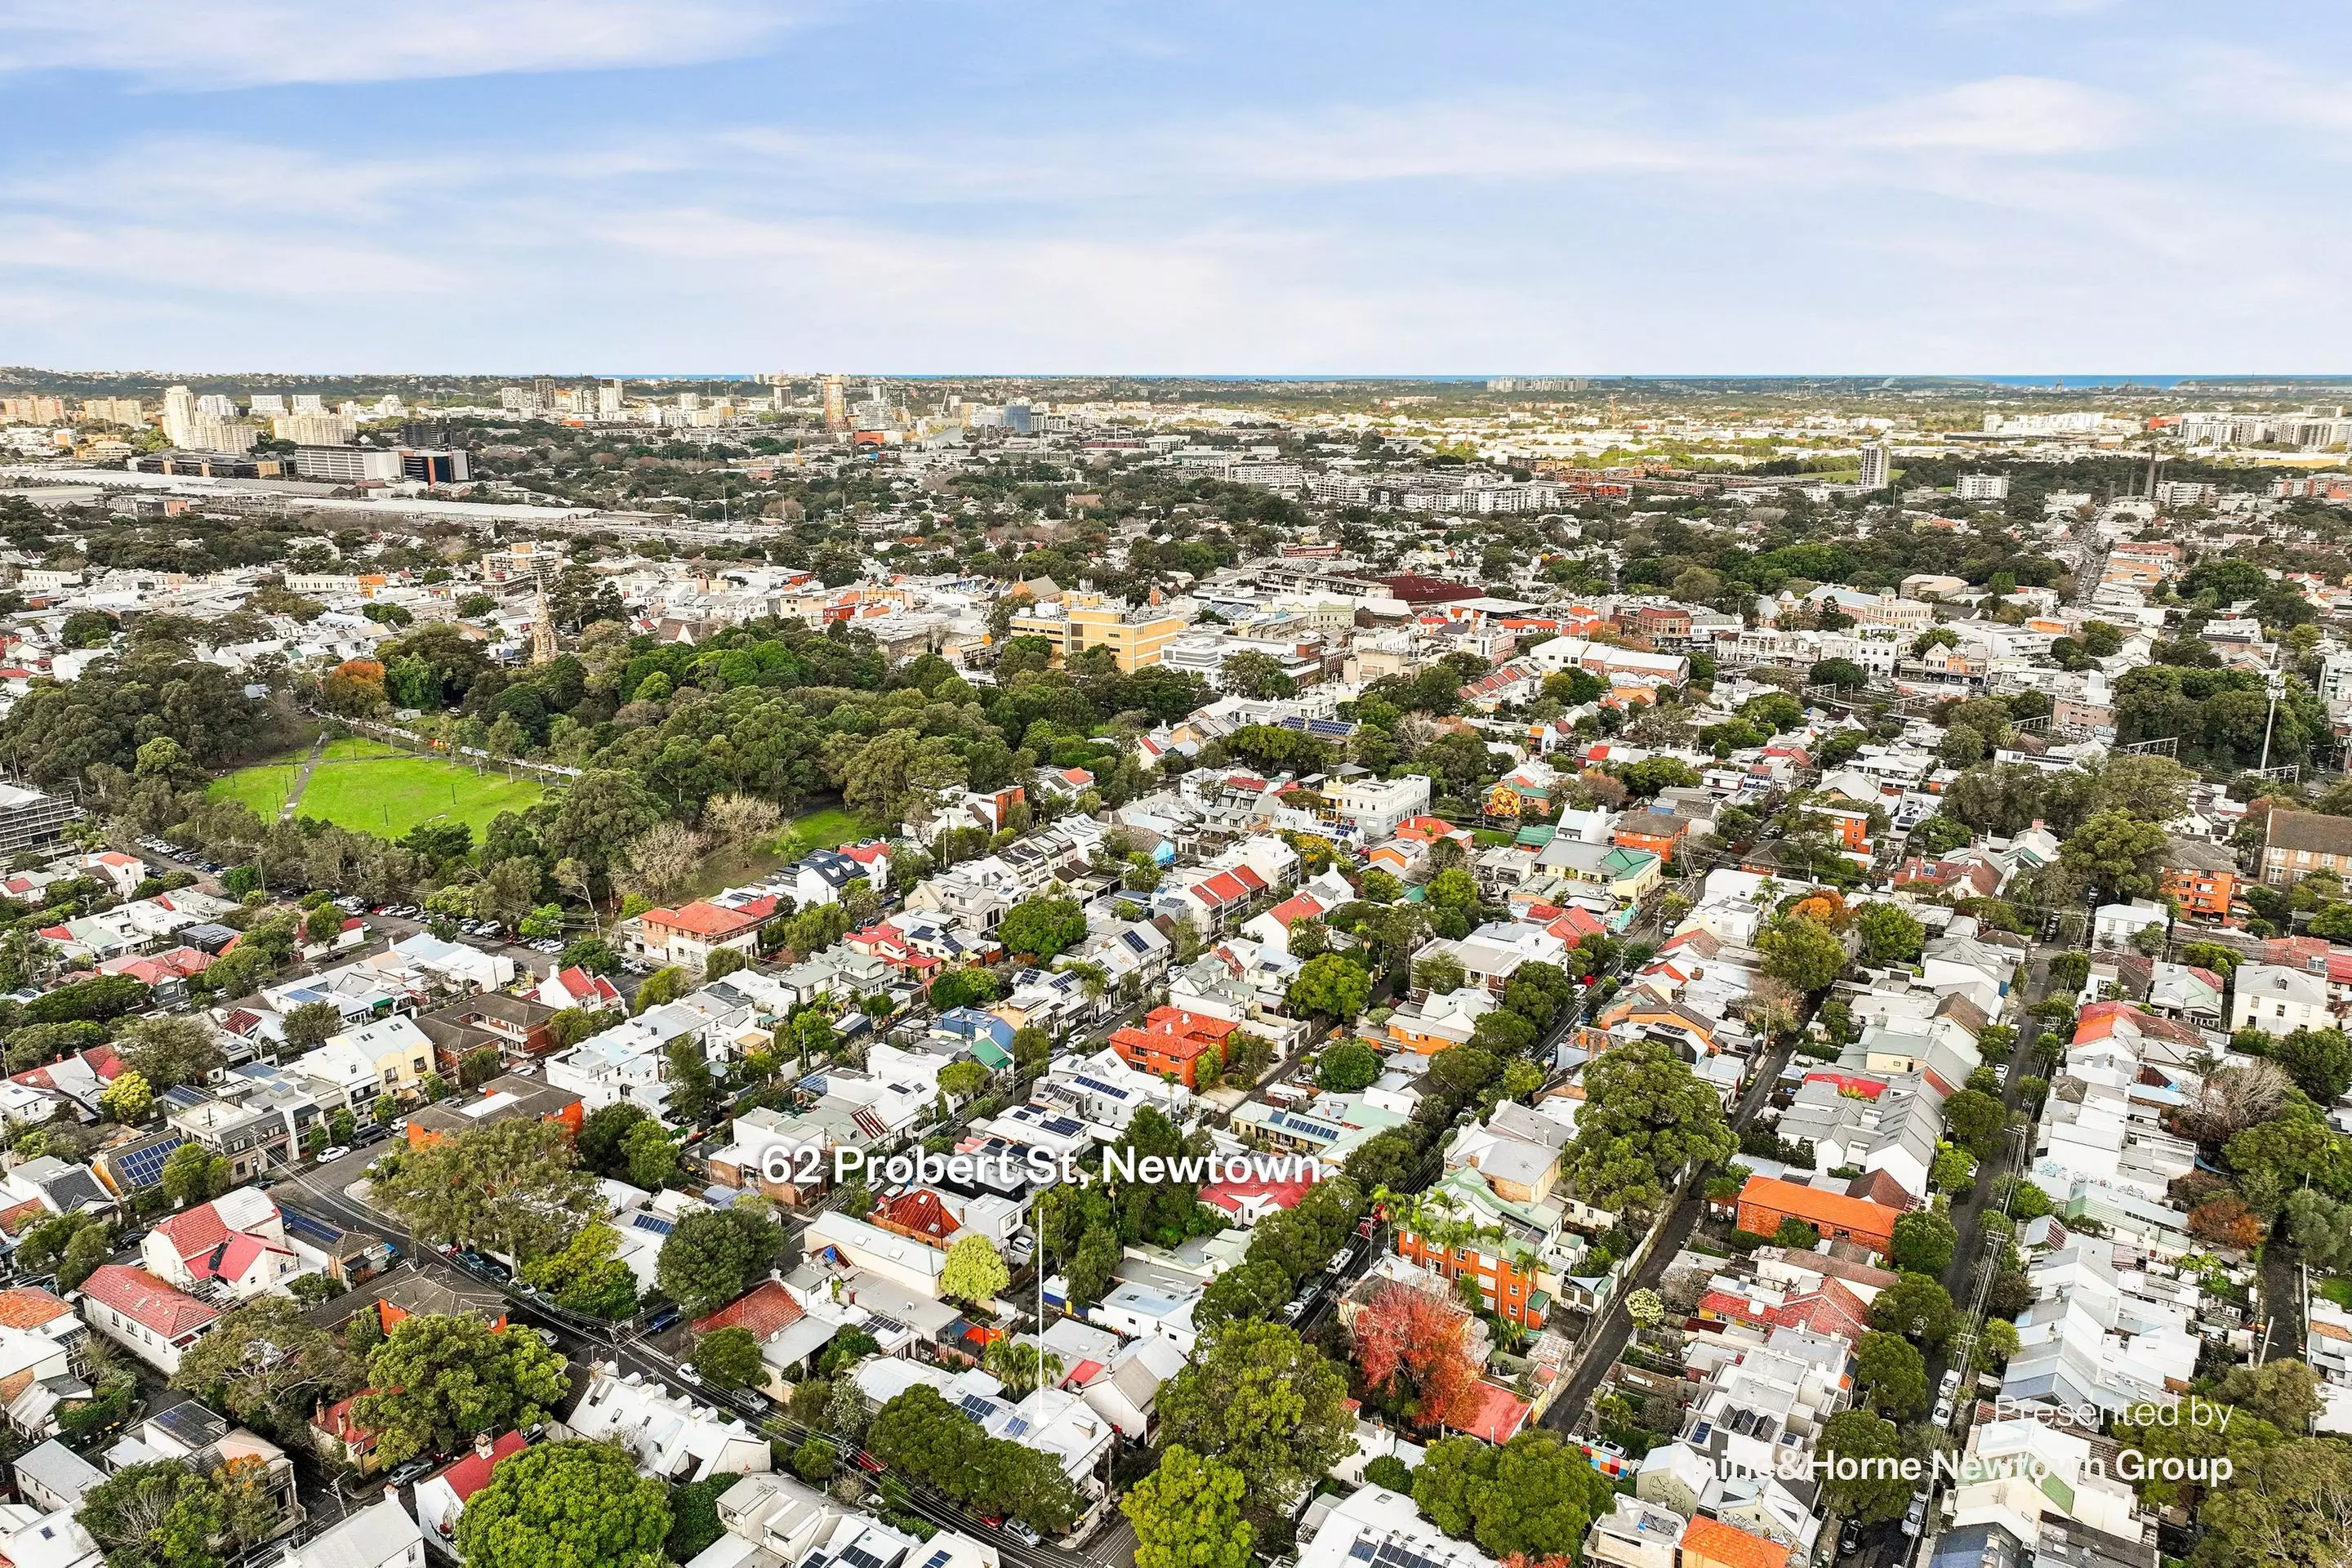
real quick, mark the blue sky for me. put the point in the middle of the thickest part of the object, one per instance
(961, 185)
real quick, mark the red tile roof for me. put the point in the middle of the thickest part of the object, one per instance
(1298, 908)
(472, 1473)
(1490, 1412)
(768, 1310)
(140, 1296)
(1719, 1542)
(1814, 1203)
(28, 1307)
(918, 1213)
(700, 918)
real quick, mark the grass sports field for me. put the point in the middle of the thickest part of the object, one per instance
(379, 789)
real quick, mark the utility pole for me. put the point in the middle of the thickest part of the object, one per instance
(2275, 683)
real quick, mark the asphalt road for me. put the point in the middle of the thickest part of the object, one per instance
(1608, 1339)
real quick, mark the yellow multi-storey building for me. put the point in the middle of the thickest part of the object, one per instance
(1136, 637)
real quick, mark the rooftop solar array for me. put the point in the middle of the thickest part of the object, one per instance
(652, 1222)
(144, 1167)
(309, 1228)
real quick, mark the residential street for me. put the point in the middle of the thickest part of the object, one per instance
(1609, 1338)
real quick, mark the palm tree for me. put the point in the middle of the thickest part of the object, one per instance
(1019, 1367)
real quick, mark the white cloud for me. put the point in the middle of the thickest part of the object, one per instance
(2009, 116)
(205, 44)
(2244, 84)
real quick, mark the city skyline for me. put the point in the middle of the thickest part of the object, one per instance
(1218, 191)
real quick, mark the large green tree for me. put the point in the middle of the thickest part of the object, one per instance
(169, 1514)
(512, 1187)
(440, 1380)
(1878, 1492)
(712, 1255)
(1330, 987)
(1646, 1118)
(1534, 1497)
(1892, 1374)
(1187, 1514)
(1044, 926)
(1800, 952)
(2290, 1507)
(1263, 1402)
(1923, 1242)
(1890, 933)
(576, 1505)
(267, 1365)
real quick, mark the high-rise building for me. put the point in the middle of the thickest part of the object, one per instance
(608, 399)
(1982, 487)
(267, 404)
(179, 415)
(1877, 466)
(837, 403)
(190, 425)
(316, 429)
(218, 405)
(345, 465)
(113, 410)
(436, 468)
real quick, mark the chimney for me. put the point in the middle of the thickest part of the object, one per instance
(483, 1448)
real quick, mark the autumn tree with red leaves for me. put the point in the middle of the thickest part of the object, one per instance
(1414, 1348)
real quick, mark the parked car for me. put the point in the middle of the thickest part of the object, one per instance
(1914, 1517)
(687, 1374)
(664, 1320)
(1021, 1531)
(329, 1156)
(1944, 1411)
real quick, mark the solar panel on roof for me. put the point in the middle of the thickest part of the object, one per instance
(144, 1167)
(1017, 1427)
(973, 1405)
(308, 1226)
(1134, 941)
(1361, 1551)
(192, 1423)
(652, 1222)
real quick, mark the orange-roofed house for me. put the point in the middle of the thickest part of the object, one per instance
(1171, 1042)
(1272, 927)
(1766, 1201)
(1711, 1543)
(1489, 1412)
(690, 933)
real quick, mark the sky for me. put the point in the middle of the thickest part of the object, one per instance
(1192, 186)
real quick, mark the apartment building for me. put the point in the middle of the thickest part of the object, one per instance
(2296, 843)
(1081, 621)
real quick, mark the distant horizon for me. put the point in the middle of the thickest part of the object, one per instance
(2070, 381)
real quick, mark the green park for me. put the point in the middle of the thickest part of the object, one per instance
(369, 786)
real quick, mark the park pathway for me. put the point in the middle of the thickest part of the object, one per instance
(302, 778)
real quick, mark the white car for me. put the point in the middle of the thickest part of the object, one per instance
(329, 1156)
